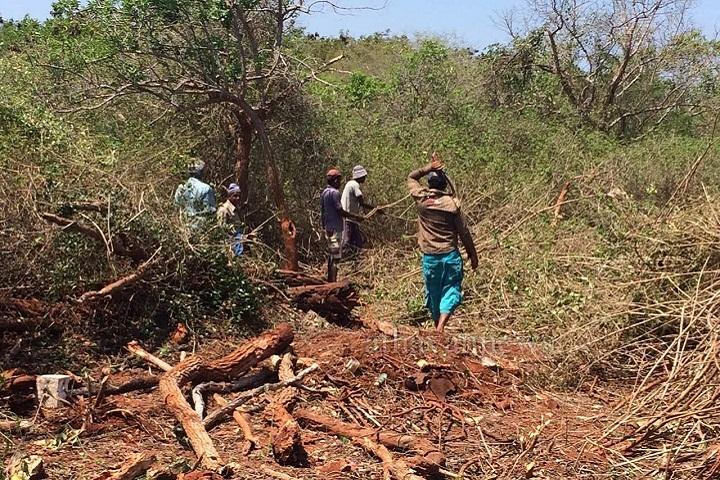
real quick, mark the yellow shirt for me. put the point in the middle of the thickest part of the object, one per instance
(228, 217)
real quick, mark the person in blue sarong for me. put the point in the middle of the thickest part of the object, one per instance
(440, 225)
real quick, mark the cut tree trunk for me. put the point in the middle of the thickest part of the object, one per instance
(426, 456)
(228, 367)
(287, 443)
(287, 227)
(333, 301)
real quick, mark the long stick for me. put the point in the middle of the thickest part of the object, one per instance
(242, 422)
(135, 348)
(215, 418)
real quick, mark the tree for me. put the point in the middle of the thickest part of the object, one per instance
(621, 65)
(192, 55)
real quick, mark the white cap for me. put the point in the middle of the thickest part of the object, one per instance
(358, 171)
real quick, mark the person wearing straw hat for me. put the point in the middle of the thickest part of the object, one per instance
(228, 216)
(196, 198)
(440, 225)
(354, 202)
(332, 216)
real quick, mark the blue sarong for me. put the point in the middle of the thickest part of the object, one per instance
(443, 282)
(236, 244)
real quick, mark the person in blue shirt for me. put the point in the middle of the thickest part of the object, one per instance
(196, 198)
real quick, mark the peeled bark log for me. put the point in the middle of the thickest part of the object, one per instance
(230, 366)
(426, 457)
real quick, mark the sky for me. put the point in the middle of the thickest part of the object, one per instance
(472, 23)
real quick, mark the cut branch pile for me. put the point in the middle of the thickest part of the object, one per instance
(224, 369)
(672, 419)
(333, 301)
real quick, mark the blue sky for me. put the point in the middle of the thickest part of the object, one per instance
(468, 22)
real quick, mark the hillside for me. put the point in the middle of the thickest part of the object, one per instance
(587, 170)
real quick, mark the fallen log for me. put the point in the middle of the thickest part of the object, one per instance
(333, 301)
(215, 418)
(398, 467)
(230, 366)
(426, 456)
(135, 348)
(142, 381)
(202, 389)
(251, 441)
(286, 439)
(131, 469)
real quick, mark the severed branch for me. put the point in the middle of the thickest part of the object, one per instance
(251, 441)
(427, 457)
(121, 283)
(116, 244)
(202, 389)
(286, 439)
(135, 348)
(230, 366)
(398, 467)
(218, 416)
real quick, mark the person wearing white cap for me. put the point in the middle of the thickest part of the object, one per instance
(228, 216)
(353, 202)
(195, 197)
